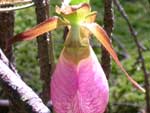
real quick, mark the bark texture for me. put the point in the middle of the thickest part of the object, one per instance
(6, 31)
(45, 49)
(108, 26)
(22, 96)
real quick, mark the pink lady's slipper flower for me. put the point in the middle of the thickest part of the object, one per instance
(78, 84)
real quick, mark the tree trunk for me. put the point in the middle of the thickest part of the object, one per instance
(6, 32)
(45, 49)
(108, 26)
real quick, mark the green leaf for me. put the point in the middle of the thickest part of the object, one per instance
(76, 2)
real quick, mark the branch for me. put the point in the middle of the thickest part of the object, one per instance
(4, 103)
(127, 104)
(13, 2)
(140, 50)
(121, 45)
(24, 95)
(108, 26)
(13, 8)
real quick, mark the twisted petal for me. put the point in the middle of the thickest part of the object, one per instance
(102, 37)
(48, 25)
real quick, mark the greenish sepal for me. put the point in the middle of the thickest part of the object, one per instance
(91, 13)
(76, 2)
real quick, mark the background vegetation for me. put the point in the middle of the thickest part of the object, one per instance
(123, 97)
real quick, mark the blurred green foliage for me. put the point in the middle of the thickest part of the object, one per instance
(26, 52)
(121, 91)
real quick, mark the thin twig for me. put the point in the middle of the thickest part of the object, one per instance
(7, 103)
(121, 45)
(13, 8)
(139, 48)
(4, 103)
(13, 2)
(127, 105)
